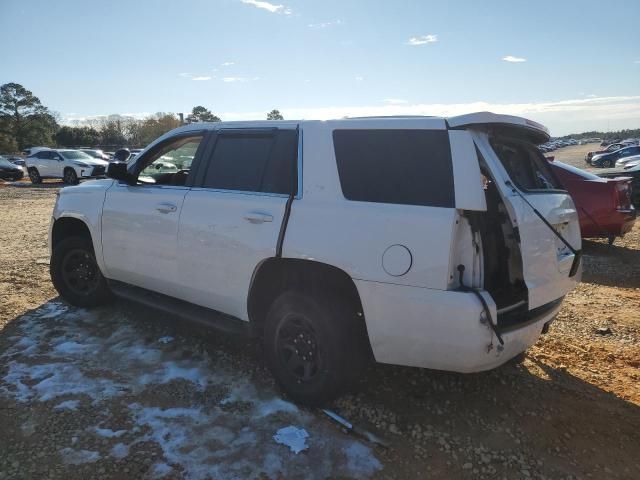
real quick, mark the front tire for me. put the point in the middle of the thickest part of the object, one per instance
(75, 273)
(607, 164)
(70, 176)
(313, 346)
(34, 176)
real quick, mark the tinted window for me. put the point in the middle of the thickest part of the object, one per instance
(411, 167)
(524, 163)
(253, 162)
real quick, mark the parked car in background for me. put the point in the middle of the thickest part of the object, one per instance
(622, 162)
(349, 242)
(604, 205)
(632, 163)
(96, 153)
(611, 148)
(10, 171)
(16, 160)
(69, 165)
(608, 160)
(631, 172)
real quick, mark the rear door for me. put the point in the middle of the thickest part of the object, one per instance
(231, 219)
(520, 170)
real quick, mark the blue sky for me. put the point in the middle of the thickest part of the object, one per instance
(579, 62)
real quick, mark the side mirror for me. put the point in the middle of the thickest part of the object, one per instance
(118, 171)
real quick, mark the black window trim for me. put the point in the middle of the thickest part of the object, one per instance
(135, 170)
(257, 131)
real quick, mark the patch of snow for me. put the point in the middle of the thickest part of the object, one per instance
(360, 460)
(29, 427)
(55, 380)
(161, 470)
(293, 437)
(51, 310)
(69, 348)
(166, 339)
(120, 451)
(61, 351)
(78, 457)
(67, 405)
(274, 405)
(107, 432)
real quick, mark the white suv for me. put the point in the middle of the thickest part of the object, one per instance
(69, 165)
(429, 242)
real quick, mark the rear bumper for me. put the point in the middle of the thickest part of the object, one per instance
(442, 330)
(618, 223)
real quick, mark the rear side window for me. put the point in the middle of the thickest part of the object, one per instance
(526, 166)
(410, 167)
(253, 162)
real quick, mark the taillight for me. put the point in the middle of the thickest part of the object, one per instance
(623, 195)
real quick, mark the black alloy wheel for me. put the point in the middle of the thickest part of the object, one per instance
(298, 349)
(70, 177)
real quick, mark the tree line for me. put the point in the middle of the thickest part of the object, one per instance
(25, 122)
(617, 134)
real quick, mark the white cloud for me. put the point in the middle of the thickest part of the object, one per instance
(637, 61)
(331, 23)
(186, 75)
(270, 7)
(422, 39)
(239, 79)
(227, 64)
(201, 78)
(359, 78)
(512, 59)
(395, 101)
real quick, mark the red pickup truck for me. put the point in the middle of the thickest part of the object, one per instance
(604, 204)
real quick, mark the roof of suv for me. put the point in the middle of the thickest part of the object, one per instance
(407, 121)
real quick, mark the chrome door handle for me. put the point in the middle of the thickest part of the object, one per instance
(257, 217)
(166, 207)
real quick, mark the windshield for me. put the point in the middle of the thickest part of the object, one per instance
(524, 163)
(75, 155)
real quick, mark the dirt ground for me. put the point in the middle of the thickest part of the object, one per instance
(121, 392)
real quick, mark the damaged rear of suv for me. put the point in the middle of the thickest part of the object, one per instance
(443, 243)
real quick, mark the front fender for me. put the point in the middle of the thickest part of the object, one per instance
(84, 202)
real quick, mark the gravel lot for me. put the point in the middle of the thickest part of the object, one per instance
(122, 392)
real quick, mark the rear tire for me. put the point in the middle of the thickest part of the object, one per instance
(34, 176)
(75, 273)
(314, 346)
(70, 177)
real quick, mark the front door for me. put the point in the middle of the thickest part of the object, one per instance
(140, 221)
(232, 217)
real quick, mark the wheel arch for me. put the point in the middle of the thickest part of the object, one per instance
(276, 275)
(67, 226)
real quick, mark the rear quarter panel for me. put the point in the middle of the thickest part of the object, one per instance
(354, 235)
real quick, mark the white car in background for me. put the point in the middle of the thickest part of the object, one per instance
(624, 161)
(68, 165)
(631, 162)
